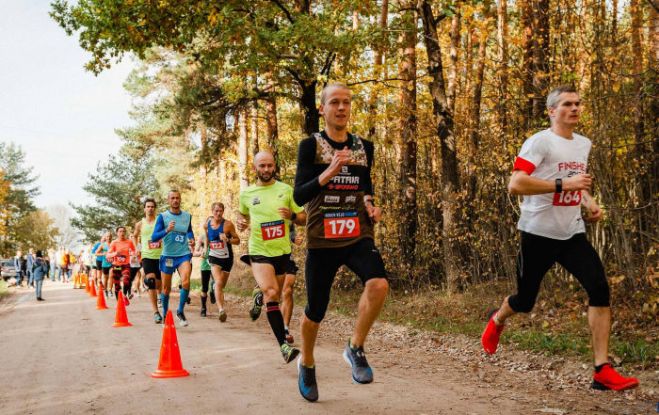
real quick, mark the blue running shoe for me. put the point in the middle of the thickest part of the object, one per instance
(361, 371)
(306, 381)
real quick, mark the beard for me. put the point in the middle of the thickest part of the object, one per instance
(265, 177)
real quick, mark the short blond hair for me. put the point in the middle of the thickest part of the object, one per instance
(324, 92)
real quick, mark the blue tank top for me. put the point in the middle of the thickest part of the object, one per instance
(218, 248)
(175, 243)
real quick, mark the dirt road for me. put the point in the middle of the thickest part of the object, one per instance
(63, 356)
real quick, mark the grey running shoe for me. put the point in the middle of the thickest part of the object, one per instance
(181, 319)
(289, 352)
(157, 318)
(306, 381)
(203, 312)
(361, 371)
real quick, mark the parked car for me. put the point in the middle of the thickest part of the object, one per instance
(7, 269)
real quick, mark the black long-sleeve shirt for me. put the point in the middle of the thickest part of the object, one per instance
(340, 200)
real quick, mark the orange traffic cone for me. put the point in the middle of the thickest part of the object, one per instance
(87, 286)
(169, 365)
(100, 301)
(121, 318)
(92, 290)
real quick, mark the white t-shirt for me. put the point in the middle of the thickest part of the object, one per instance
(549, 156)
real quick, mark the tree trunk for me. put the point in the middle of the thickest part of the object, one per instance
(453, 56)
(308, 106)
(272, 128)
(408, 127)
(527, 62)
(476, 105)
(378, 62)
(254, 127)
(535, 23)
(242, 149)
(444, 128)
(502, 41)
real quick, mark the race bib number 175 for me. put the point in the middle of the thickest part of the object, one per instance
(273, 230)
(567, 198)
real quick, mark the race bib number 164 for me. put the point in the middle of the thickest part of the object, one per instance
(567, 198)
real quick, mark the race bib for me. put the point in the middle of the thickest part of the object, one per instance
(179, 238)
(218, 249)
(567, 198)
(273, 230)
(217, 245)
(341, 225)
(155, 245)
(169, 262)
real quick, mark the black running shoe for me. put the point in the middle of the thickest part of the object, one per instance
(361, 371)
(203, 312)
(212, 295)
(188, 301)
(257, 304)
(306, 381)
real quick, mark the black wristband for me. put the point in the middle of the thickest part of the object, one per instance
(559, 185)
(293, 216)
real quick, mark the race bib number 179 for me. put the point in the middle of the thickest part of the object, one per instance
(341, 225)
(566, 198)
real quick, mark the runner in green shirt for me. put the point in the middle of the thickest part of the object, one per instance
(268, 209)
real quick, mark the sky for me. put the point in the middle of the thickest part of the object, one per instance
(62, 116)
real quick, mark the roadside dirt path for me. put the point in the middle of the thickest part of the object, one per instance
(63, 356)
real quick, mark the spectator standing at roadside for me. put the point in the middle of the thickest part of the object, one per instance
(30, 264)
(39, 272)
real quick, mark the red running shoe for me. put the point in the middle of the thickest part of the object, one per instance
(491, 334)
(608, 378)
(126, 302)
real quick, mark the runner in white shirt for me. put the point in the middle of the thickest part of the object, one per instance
(551, 174)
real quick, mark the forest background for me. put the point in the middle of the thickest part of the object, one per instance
(447, 90)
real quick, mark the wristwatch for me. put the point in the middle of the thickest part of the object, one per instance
(559, 185)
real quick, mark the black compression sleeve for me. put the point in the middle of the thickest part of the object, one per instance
(307, 185)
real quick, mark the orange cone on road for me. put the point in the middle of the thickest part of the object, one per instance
(169, 365)
(92, 290)
(121, 318)
(100, 301)
(87, 286)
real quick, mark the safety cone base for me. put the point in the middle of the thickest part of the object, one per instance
(126, 324)
(162, 374)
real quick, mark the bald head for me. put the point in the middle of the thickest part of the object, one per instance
(263, 156)
(264, 166)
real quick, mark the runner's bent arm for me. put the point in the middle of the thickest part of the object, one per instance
(231, 233)
(523, 184)
(307, 184)
(137, 237)
(159, 230)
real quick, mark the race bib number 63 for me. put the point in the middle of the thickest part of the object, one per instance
(273, 230)
(567, 198)
(341, 225)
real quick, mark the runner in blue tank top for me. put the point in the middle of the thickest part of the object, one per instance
(174, 228)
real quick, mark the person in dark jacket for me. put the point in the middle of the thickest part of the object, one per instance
(39, 272)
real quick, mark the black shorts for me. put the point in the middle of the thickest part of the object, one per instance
(151, 266)
(88, 269)
(121, 271)
(99, 265)
(538, 254)
(106, 270)
(278, 262)
(291, 268)
(322, 264)
(225, 263)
